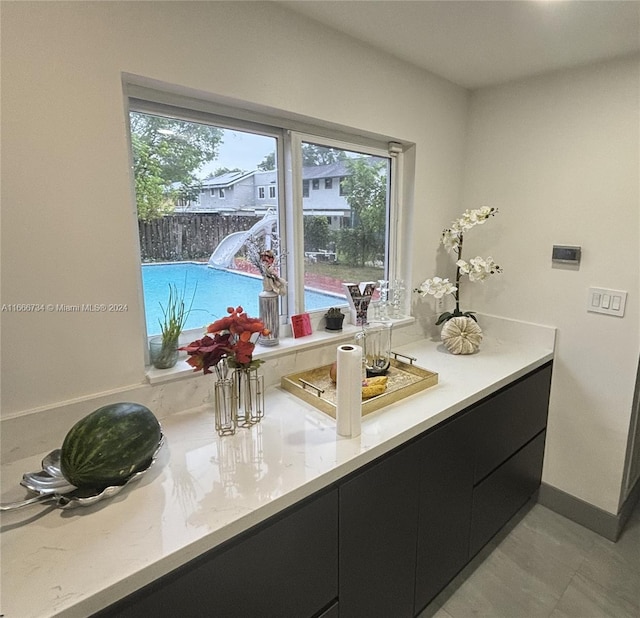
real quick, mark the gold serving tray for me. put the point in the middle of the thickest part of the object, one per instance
(316, 387)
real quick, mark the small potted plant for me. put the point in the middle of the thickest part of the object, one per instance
(333, 319)
(163, 350)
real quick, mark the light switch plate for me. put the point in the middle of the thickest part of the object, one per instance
(603, 300)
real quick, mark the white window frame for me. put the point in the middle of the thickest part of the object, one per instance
(262, 193)
(392, 256)
(289, 136)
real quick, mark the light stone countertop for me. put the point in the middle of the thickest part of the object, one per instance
(204, 489)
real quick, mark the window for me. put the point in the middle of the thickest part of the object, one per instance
(345, 236)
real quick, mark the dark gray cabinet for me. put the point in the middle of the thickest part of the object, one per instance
(388, 538)
(404, 525)
(500, 495)
(446, 482)
(507, 420)
(412, 520)
(508, 442)
(377, 548)
(287, 568)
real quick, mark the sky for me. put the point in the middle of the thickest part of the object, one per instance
(240, 149)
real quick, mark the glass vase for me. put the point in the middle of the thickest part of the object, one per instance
(163, 354)
(224, 407)
(248, 393)
(270, 316)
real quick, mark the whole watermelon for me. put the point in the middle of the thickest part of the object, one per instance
(109, 445)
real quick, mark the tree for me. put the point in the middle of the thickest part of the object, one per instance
(316, 233)
(365, 190)
(268, 163)
(166, 154)
(151, 198)
(224, 170)
(313, 155)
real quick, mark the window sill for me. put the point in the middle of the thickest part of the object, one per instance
(287, 345)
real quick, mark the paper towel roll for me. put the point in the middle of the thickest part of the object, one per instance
(349, 390)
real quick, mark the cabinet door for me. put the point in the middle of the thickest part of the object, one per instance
(286, 569)
(446, 470)
(378, 524)
(508, 420)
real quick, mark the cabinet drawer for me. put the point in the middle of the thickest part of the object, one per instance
(500, 495)
(508, 420)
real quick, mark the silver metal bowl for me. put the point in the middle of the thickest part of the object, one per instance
(50, 485)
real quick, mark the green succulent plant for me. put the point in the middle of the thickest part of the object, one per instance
(334, 312)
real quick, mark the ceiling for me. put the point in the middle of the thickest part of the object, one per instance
(476, 43)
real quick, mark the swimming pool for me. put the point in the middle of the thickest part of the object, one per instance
(216, 290)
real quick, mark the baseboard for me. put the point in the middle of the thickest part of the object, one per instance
(633, 497)
(604, 523)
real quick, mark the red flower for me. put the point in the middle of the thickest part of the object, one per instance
(207, 352)
(233, 338)
(243, 351)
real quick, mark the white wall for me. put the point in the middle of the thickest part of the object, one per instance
(68, 222)
(558, 155)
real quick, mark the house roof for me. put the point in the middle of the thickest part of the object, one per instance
(225, 180)
(330, 170)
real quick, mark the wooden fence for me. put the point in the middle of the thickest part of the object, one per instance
(187, 236)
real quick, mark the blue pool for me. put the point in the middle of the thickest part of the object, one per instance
(216, 290)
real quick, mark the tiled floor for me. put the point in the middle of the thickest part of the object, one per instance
(548, 566)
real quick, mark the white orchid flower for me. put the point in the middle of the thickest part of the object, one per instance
(470, 218)
(451, 239)
(477, 268)
(437, 287)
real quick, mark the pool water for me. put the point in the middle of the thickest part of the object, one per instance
(215, 290)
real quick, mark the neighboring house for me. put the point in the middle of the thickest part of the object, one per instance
(322, 193)
(254, 193)
(230, 193)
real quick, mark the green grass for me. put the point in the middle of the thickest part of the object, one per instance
(345, 272)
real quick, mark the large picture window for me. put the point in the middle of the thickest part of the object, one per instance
(194, 241)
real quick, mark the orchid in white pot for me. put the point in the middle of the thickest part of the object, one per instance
(477, 268)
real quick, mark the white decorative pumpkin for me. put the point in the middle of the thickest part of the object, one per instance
(461, 335)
